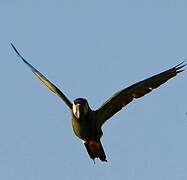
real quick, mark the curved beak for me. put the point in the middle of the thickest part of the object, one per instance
(77, 110)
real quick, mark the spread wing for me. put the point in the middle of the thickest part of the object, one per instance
(125, 96)
(45, 81)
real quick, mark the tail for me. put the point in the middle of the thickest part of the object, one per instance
(95, 150)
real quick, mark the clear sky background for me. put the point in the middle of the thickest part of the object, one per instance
(92, 49)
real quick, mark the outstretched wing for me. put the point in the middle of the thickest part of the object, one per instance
(125, 96)
(45, 81)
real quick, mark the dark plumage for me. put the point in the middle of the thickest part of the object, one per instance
(87, 123)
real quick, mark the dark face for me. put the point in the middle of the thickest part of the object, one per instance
(80, 107)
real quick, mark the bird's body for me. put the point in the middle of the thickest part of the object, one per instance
(87, 123)
(87, 128)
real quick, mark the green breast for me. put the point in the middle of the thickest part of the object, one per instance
(86, 128)
(77, 128)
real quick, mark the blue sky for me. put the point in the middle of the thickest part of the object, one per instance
(92, 49)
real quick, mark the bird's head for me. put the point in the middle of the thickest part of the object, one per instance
(80, 108)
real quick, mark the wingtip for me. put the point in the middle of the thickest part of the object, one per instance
(12, 45)
(14, 48)
(180, 66)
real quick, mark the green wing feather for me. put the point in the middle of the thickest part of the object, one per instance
(45, 81)
(125, 96)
